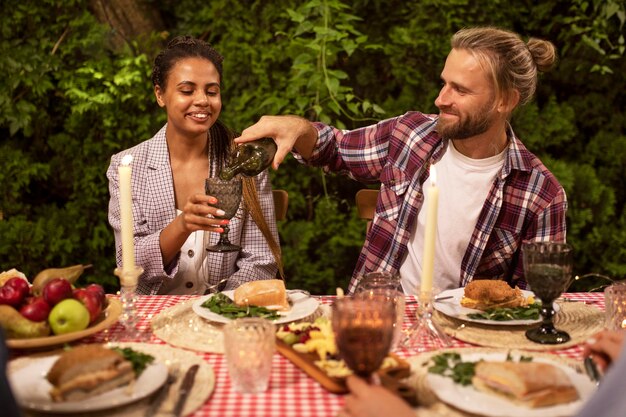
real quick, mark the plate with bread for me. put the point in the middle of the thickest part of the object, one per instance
(491, 302)
(262, 298)
(504, 385)
(86, 378)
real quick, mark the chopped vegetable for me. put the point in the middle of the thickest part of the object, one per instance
(221, 304)
(530, 312)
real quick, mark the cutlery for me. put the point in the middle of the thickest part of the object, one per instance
(592, 370)
(185, 389)
(437, 299)
(162, 394)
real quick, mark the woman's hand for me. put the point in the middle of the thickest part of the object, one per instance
(199, 213)
(604, 347)
(367, 400)
(287, 131)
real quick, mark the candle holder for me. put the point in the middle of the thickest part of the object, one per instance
(425, 334)
(129, 318)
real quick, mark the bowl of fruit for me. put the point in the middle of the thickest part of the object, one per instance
(52, 310)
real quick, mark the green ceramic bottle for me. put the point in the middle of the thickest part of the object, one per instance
(250, 159)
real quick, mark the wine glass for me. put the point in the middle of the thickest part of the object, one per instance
(385, 284)
(363, 328)
(548, 271)
(228, 194)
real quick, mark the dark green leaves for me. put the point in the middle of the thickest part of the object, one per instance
(451, 365)
(530, 312)
(224, 306)
(139, 360)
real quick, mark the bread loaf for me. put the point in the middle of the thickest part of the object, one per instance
(269, 293)
(531, 384)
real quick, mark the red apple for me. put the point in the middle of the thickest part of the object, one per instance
(35, 309)
(19, 284)
(10, 296)
(89, 300)
(99, 291)
(56, 290)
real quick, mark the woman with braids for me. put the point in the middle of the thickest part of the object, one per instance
(171, 212)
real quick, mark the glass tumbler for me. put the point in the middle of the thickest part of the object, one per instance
(615, 306)
(249, 344)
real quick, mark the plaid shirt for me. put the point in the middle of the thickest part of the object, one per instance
(154, 208)
(525, 203)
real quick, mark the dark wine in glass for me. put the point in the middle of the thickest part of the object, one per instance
(363, 330)
(228, 194)
(548, 271)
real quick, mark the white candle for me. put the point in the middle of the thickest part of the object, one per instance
(126, 213)
(430, 234)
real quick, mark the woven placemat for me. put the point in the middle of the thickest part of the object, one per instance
(172, 357)
(579, 320)
(429, 403)
(181, 326)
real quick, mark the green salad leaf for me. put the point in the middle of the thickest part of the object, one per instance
(530, 312)
(139, 360)
(221, 304)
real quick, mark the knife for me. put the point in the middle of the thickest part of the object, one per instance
(158, 399)
(185, 389)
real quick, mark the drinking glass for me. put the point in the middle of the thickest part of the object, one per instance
(615, 306)
(385, 284)
(548, 271)
(363, 328)
(228, 194)
(249, 344)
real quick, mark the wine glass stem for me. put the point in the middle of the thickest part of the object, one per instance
(224, 240)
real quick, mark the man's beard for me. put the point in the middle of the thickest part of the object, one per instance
(474, 124)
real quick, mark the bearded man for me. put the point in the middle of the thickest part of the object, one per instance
(494, 194)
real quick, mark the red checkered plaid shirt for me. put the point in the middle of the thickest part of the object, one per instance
(525, 203)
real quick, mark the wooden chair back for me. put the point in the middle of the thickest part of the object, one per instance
(366, 204)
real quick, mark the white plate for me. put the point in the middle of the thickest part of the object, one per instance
(32, 389)
(467, 398)
(452, 307)
(302, 305)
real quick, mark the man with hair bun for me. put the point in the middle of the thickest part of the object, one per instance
(494, 193)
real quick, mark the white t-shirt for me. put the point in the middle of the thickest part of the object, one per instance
(463, 187)
(190, 278)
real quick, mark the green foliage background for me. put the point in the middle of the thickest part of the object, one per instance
(68, 101)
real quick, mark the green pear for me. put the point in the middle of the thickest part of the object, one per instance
(17, 326)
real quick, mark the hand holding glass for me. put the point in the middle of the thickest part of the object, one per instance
(228, 194)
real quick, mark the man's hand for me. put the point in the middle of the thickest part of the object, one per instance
(287, 131)
(367, 400)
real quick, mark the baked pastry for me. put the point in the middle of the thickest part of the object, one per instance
(88, 370)
(531, 384)
(268, 293)
(484, 294)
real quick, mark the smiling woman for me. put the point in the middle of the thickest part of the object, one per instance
(174, 220)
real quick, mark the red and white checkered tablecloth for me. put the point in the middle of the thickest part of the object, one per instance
(291, 391)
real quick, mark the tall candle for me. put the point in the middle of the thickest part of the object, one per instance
(430, 234)
(126, 211)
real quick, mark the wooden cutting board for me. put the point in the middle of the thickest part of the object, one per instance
(390, 377)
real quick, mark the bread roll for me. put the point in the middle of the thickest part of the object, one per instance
(269, 293)
(88, 370)
(531, 384)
